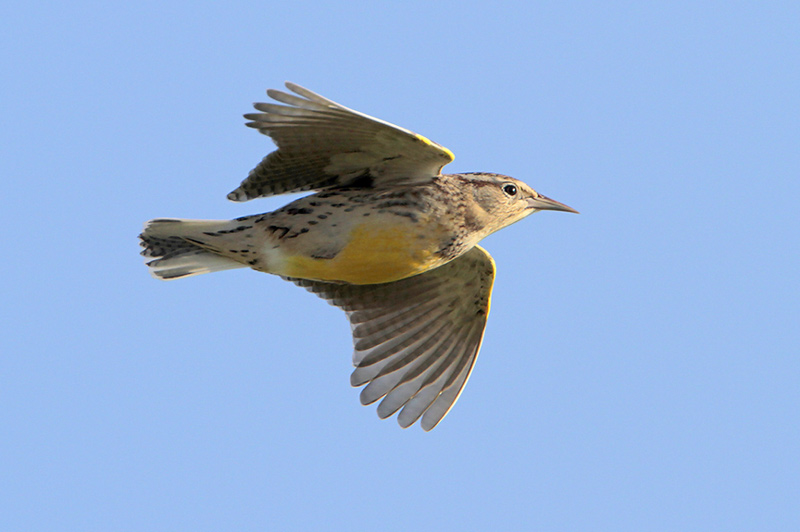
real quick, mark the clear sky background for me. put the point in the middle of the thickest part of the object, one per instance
(641, 366)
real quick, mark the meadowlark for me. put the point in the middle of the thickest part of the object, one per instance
(385, 236)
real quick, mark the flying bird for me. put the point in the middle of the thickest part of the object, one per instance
(385, 236)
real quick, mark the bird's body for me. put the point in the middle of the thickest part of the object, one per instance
(352, 235)
(359, 236)
(387, 237)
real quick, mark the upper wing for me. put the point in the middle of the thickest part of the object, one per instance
(416, 340)
(322, 144)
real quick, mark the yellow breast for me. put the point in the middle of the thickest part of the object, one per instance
(372, 255)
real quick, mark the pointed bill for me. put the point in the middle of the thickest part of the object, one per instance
(543, 203)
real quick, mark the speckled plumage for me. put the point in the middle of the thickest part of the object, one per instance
(386, 237)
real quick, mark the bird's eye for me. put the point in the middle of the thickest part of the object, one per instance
(510, 189)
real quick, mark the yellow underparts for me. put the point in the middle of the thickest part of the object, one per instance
(373, 255)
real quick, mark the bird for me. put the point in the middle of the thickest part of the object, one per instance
(383, 234)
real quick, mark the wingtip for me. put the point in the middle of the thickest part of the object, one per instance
(237, 195)
(294, 87)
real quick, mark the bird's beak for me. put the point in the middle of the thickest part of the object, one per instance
(543, 203)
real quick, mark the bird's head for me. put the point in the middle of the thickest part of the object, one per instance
(502, 200)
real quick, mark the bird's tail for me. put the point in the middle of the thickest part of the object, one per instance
(177, 251)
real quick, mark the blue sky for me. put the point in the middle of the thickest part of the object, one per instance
(641, 364)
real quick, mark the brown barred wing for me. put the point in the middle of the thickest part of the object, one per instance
(322, 145)
(416, 340)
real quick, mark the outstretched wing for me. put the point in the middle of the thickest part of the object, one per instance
(417, 339)
(322, 144)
